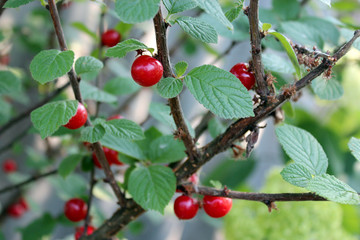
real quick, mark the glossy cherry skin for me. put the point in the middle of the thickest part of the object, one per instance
(16, 210)
(110, 38)
(111, 156)
(216, 207)
(80, 230)
(79, 119)
(75, 209)
(117, 116)
(146, 71)
(185, 207)
(241, 71)
(9, 166)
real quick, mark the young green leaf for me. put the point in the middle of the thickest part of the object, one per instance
(220, 92)
(328, 89)
(9, 83)
(48, 118)
(121, 86)
(266, 26)
(198, 29)
(289, 50)
(123, 146)
(122, 48)
(275, 63)
(69, 164)
(180, 68)
(51, 64)
(89, 91)
(152, 187)
(303, 148)
(166, 149)
(333, 189)
(81, 27)
(296, 174)
(136, 11)
(169, 87)
(16, 3)
(354, 146)
(175, 6)
(40, 228)
(233, 13)
(124, 128)
(88, 64)
(213, 8)
(92, 134)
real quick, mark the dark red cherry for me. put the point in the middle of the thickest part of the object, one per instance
(110, 38)
(146, 71)
(79, 119)
(185, 207)
(75, 209)
(216, 207)
(241, 71)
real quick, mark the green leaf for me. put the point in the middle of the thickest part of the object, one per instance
(180, 68)
(169, 87)
(150, 135)
(289, 50)
(89, 91)
(276, 63)
(48, 118)
(39, 228)
(136, 11)
(124, 146)
(152, 187)
(122, 48)
(9, 83)
(328, 89)
(266, 26)
(216, 127)
(92, 134)
(233, 13)
(121, 86)
(333, 189)
(220, 92)
(286, 9)
(51, 64)
(327, 2)
(16, 3)
(213, 8)
(69, 164)
(5, 111)
(81, 27)
(175, 6)
(303, 148)
(166, 149)
(354, 146)
(328, 31)
(348, 34)
(2, 237)
(72, 186)
(124, 128)
(198, 29)
(296, 174)
(88, 64)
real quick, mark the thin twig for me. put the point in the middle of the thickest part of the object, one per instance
(203, 125)
(75, 86)
(14, 140)
(89, 203)
(225, 53)
(30, 180)
(27, 112)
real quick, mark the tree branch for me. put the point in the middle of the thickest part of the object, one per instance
(255, 38)
(89, 203)
(174, 103)
(75, 86)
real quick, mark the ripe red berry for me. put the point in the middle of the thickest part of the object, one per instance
(146, 71)
(216, 207)
(80, 230)
(23, 203)
(110, 38)
(79, 119)
(9, 166)
(16, 210)
(117, 116)
(75, 209)
(111, 156)
(241, 71)
(185, 207)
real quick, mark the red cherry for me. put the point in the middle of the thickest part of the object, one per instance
(24, 204)
(75, 209)
(5, 59)
(79, 119)
(185, 207)
(111, 156)
(110, 38)
(9, 166)
(80, 230)
(241, 71)
(16, 210)
(117, 116)
(216, 207)
(146, 71)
